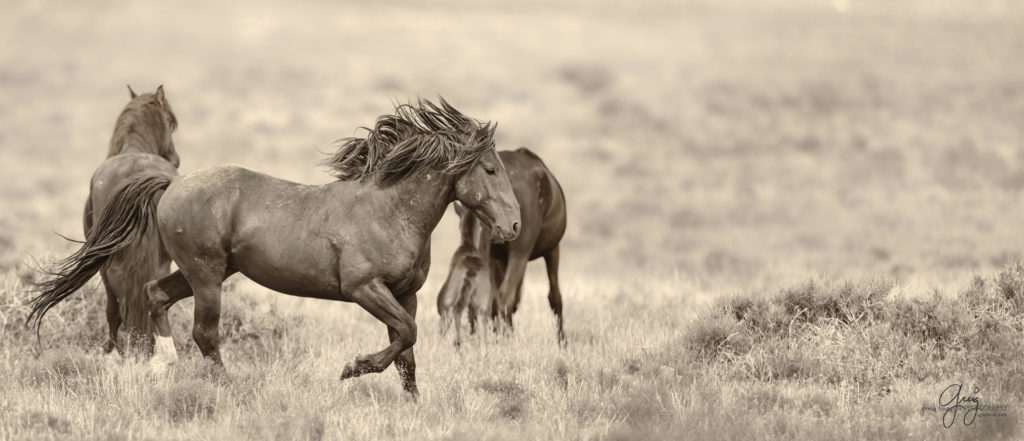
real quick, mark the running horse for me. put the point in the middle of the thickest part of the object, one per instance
(489, 278)
(364, 238)
(141, 144)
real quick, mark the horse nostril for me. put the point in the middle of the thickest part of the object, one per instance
(515, 227)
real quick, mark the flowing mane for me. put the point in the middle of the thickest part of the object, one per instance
(142, 127)
(414, 138)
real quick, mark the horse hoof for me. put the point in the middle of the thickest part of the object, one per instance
(350, 371)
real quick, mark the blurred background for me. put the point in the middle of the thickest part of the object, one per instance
(728, 141)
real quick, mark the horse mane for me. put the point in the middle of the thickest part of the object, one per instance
(415, 137)
(141, 125)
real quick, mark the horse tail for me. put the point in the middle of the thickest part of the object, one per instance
(123, 221)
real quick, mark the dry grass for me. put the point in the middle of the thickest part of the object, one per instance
(728, 165)
(676, 366)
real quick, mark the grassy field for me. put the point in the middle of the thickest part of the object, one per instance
(787, 220)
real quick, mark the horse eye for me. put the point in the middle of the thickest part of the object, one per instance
(491, 171)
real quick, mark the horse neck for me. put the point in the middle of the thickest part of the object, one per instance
(132, 140)
(419, 200)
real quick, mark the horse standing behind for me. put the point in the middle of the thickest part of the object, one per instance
(489, 278)
(364, 238)
(141, 144)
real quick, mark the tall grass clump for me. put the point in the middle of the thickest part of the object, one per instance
(858, 333)
(79, 320)
(187, 400)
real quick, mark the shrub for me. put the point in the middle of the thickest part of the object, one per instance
(71, 369)
(935, 319)
(512, 398)
(1010, 282)
(187, 400)
(709, 336)
(854, 333)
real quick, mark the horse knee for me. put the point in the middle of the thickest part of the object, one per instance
(407, 336)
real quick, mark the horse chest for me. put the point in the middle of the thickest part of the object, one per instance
(392, 258)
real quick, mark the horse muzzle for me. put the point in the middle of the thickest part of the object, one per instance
(507, 233)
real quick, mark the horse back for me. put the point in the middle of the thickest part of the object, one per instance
(541, 201)
(117, 169)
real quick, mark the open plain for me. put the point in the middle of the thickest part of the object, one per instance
(787, 220)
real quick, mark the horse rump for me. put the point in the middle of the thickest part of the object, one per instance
(122, 222)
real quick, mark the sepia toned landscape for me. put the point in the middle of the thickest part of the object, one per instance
(786, 219)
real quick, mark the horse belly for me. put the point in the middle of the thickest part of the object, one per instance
(286, 267)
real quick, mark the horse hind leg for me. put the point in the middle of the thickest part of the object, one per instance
(113, 318)
(162, 294)
(554, 293)
(206, 325)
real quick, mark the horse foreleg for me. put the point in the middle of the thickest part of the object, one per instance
(162, 294)
(377, 299)
(508, 293)
(456, 317)
(406, 361)
(449, 306)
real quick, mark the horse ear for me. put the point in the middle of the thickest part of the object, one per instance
(460, 209)
(160, 94)
(132, 92)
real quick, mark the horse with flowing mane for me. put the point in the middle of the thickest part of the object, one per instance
(364, 238)
(141, 144)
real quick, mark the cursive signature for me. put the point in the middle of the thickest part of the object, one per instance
(953, 402)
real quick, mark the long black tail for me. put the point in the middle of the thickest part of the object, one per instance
(122, 222)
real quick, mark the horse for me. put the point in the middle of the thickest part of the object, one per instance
(141, 144)
(488, 278)
(364, 238)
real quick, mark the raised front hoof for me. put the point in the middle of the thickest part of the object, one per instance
(361, 366)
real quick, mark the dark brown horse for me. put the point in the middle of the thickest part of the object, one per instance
(363, 238)
(489, 278)
(141, 144)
